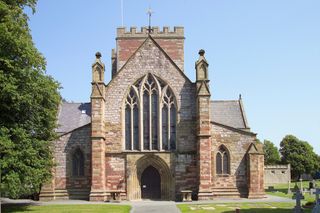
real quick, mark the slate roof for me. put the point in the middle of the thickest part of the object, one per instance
(72, 116)
(229, 113)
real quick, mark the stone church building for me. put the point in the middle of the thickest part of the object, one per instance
(152, 133)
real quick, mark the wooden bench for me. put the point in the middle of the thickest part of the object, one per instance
(186, 195)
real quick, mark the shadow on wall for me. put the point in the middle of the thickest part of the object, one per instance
(242, 177)
(78, 183)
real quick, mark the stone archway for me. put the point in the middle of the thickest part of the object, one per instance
(134, 174)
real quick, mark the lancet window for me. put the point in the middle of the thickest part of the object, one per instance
(150, 116)
(77, 163)
(222, 161)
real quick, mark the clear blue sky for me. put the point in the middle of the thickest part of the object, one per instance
(269, 51)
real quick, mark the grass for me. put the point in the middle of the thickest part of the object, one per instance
(96, 208)
(244, 208)
(281, 190)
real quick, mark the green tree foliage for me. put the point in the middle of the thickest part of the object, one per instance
(29, 102)
(271, 153)
(299, 154)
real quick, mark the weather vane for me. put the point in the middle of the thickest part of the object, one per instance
(149, 12)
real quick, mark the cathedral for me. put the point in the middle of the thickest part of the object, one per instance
(152, 133)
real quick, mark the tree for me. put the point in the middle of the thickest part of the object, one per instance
(299, 154)
(29, 101)
(271, 153)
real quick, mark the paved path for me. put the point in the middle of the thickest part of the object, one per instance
(154, 207)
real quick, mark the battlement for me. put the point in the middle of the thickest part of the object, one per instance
(178, 32)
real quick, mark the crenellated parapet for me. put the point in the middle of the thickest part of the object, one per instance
(156, 32)
(129, 40)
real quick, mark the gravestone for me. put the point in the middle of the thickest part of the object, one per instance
(298, 196)
(316, 208)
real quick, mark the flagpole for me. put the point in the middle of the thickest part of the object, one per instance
(121, 2)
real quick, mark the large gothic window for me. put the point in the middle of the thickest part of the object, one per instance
(222, 161)
(77, 163)
(151, 102)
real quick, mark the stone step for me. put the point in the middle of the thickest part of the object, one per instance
(226, 192)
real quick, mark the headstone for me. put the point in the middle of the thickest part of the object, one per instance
(316, 208)
(298, 196)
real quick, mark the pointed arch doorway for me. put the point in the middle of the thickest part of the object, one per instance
(150, 184)
(142, 168)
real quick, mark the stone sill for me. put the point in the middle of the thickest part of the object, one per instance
(147, 151)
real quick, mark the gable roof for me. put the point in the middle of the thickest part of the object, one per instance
(135, 52)
(72, 116)
(229, 113)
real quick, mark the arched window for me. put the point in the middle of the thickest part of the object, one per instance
(78, 163)
(132, 121)
(151, 100)
(222, 161)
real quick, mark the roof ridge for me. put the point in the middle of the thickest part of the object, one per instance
(224, 100)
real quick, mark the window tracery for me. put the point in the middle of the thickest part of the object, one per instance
(153, 102)
(222, 161)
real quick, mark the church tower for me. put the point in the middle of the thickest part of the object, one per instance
(203, 127)
(98, 131)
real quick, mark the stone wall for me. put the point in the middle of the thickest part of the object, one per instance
(67, 186)
(274, 174)
(150, 59)
(237, 143)
(186, 173)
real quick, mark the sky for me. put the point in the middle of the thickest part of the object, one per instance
(268, 51)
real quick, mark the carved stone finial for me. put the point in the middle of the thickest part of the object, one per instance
(98, 55)
(201, 52)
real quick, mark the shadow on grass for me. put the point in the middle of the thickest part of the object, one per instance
(7, 208)
(285, 191)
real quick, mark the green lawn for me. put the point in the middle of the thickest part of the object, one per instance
(244, 208)
(281, 190)
(96, 208)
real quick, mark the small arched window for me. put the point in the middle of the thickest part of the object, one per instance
(222, 161)
(78, 163)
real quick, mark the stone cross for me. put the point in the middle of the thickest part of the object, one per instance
(316, 209)
(298, 196)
